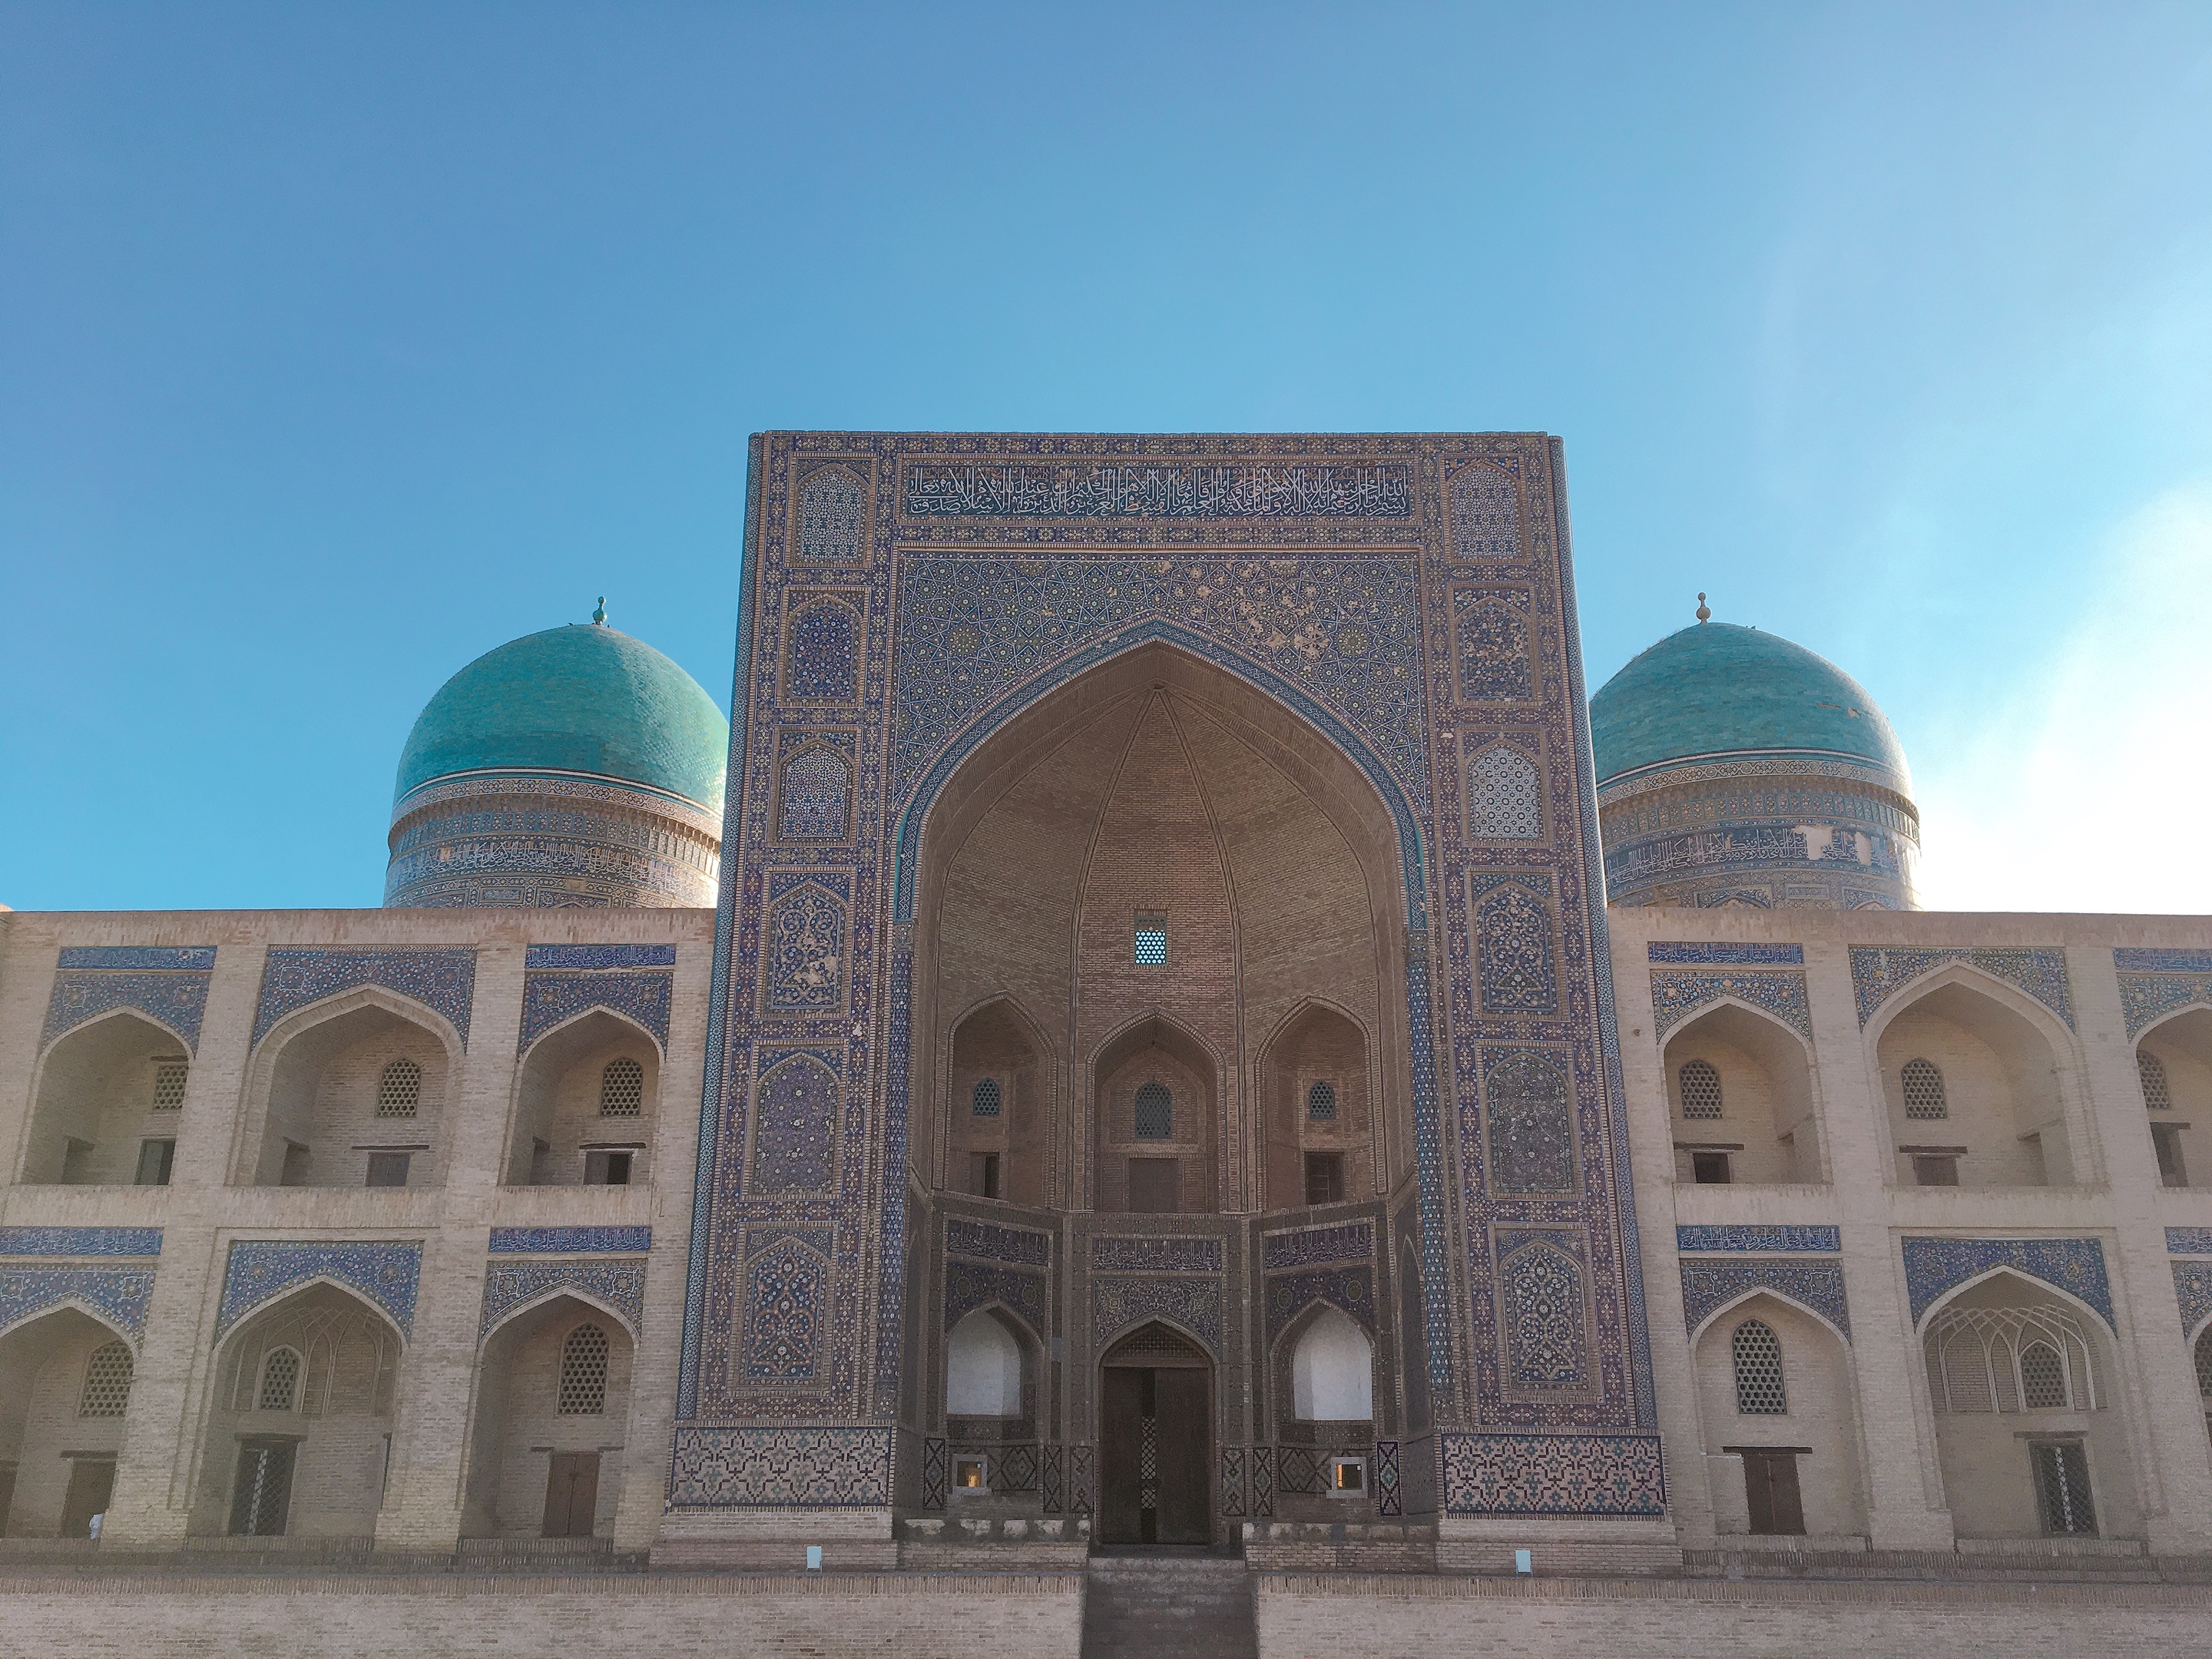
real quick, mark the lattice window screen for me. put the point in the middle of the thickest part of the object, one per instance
(1152, 942)
(987, 1099)
(280, 1380)
(622, 1089)
(2204, 1363)
(1925, 1099)
(169, 1086)
(1701, 1088)
(1320, 1103)
(1155, 1113)
(583, 1373)
(399, 1091)
(107, 1382)
(1502, 797)
(2151, 1070)
(1758, 1355)
(2042, 1378)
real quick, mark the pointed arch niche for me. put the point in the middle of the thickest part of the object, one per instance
(303, 1449)
(1984, 1107)
(352, 1093)
(1786, 1388)
(1159, 785)
(552, 1409)
(65, 1385)
(2173, 1072)
(109, 1095)
(998, 1103)
(585, 1098)
(1316, 1122)
(1741, 1089)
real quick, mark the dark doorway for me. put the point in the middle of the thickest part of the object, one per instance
(261, 1496)
(1156, 1442)
(91, 1484)
(1769, 1488)
(571, 1494)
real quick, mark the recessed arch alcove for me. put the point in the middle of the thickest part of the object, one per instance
(65, 1388)
(109, 1098)
(2174, 1071)
(1741, 1087)
(586, 1096)
(1973, 1075)
(552, 1402)
(351, 1092)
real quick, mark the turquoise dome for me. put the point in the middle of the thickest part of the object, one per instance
(581, 699)
(1714, 690)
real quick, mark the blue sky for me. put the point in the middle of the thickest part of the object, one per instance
(340, 343)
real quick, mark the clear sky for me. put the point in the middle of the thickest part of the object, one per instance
(339, 343)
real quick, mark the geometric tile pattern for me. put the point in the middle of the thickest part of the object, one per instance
(1722, 952)
(168, 982)
(1353, 1241)
(2077, 1266)
(1389, 1490)
(837, 1467)
(552, 998)
(2192, 1288)
(969, 1286)
(2148, 996)
(550, 958)
(1116, 1253)
(121, 1293)
(1350, 1289)
(1818, 1285)
(1118, 1303)
(258, 1270)
(438, 978)
(1878, 973)
(980, 1239)
(1784, 1236)
(570, 1241)
(1539, 1283)
(619, 1285)
(1676, 995)
(1552, 1474)
(2189, 1240)
(80, 1241)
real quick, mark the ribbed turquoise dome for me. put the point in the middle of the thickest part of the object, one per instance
(1714, 690)
(583, 698)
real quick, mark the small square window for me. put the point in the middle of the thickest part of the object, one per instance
(1324, 1177)
(1710, 1169)
(1347, 1477)
(1935, 1169)
(983, 1174)
(1151, 948)
(155, 1160)
(971, 1475)
(388, 1168)
(606, 1169)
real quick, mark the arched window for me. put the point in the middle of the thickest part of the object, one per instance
(622, 1089)
(1333, 1372)
(1320, 1103)
(107, 1391)
(1758, 1355)
(2204, 1363)
(1155, 1113)
(982, 1369)
(583, 1373)
(399, 1091)
(1924, 1099)
(2042, 1378)
(280, 1380)
(2152, 1072)
(1701, 1088)
(986, 1098)
(169, 1079)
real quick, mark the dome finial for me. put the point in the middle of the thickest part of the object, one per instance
(1704, 615)
(599, 616)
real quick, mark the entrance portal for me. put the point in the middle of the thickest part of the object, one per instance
(1155, 1441)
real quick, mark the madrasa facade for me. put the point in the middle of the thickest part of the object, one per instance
(1168, 1017)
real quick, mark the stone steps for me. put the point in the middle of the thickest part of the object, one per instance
(1162, 1607)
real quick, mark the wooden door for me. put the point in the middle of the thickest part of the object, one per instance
(571, 1494)
(261, 1498)
(91, 1483)
(1156, 1456)
(1124, 1403)
(1180, 1399)
(1772, 1494)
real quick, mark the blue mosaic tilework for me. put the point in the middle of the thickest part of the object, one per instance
(1552, 1474)
(1516, 945)
(570, 1241)
(1112, 1254)
(1721, 954)
(1289, 1295)
(80, 1241)
(1818, 1286)
(968, 1286)
(1118, 1305)
(1485, 512)
(510, 1284)
(1354, 1240)
(1019, 1244)
(2145, 998)
(1389, 1488)
(786, 1288)
(121, 1294)
(1490, 639)
(794, 1149)
(1156, 490)
(550, 957)
(1788, 1236)
(551, 998)
(2189, 1240)
(832, 516)
(793, 1467)
(1933, 1266)
(167, 983)
(440, 979)
(1676, 995)
(1878, 973)
(2159, 961)
(2192, 1288)
(260, 1270)
(814, 784)
(803, 953)
(822, 652)
(1540, 1291)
